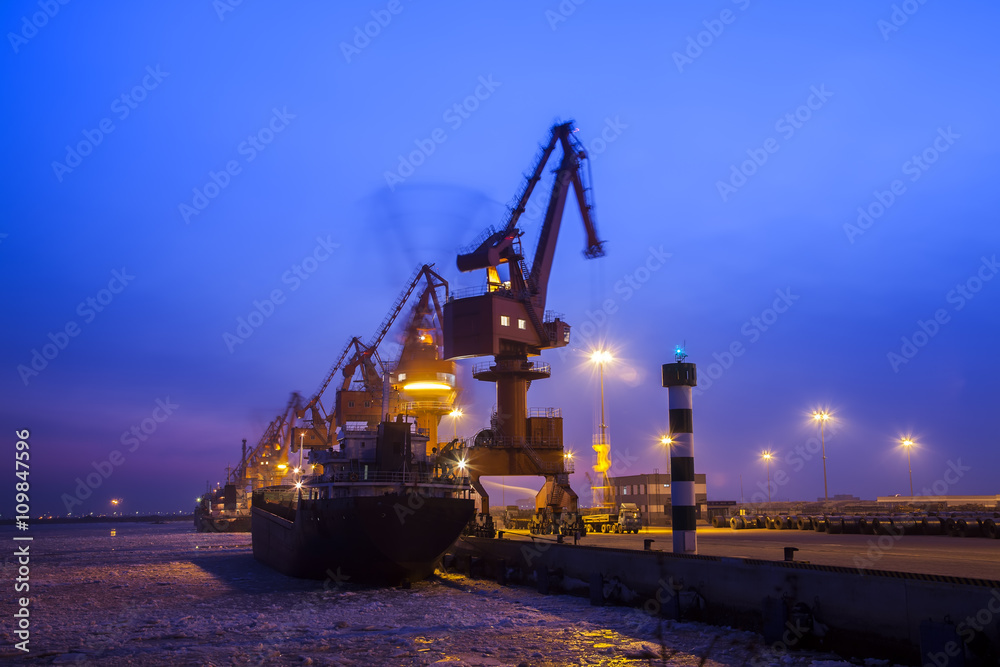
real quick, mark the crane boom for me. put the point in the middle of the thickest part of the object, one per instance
(502, 246)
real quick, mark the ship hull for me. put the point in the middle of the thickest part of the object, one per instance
(236, 524)
(385, 539)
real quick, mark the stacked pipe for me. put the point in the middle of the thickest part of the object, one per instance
(679, 378)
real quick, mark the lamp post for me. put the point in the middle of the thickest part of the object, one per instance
(907, 445)
(601, 357)
(603, 449)
(666, 441)
(823, 417)
(455, 414)
(302, 439)
(767, 461)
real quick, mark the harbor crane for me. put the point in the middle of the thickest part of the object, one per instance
(359, 396)
(509, 322)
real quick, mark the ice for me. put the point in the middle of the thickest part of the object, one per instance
(163, 594)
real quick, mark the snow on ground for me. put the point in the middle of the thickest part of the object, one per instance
(141, 594)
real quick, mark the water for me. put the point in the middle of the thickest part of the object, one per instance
(132, 593)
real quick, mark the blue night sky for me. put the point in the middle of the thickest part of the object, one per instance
(804, 185)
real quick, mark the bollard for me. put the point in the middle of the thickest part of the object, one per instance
(790, 553)
(646, 545)
(499, 534)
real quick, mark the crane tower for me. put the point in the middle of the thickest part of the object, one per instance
(509, 322)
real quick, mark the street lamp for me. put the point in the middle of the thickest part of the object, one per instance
(823, 417)
(666, 441)
(455, 414)
(603, 449)
(767, 460)
(907, 444)
(601, 357)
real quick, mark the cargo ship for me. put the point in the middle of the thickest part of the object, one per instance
(225, 510)
(383, 510)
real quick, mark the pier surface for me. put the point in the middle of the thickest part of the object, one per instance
(972, 557)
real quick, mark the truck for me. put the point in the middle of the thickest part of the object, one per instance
(626, 520)
(515, 518)
(543, 521)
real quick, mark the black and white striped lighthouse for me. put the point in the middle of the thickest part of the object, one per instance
(679, 378)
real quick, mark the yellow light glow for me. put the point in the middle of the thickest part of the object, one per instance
(601, 357)
(767, 456)
(907, 442)
(421, 386)
(298, 485)
(282, 466)
(568, 455)
(822, 416)
(666, 440)
(461, 464)
(295, 470)
(457, 412)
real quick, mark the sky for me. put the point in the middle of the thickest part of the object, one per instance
(804, 196)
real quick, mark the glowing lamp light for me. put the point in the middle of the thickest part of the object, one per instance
(666, 440)
(282, 466)
(822, 416)
(601, 357)
(295, 470)
(298, 485)
(461, 464)
(426, 386)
